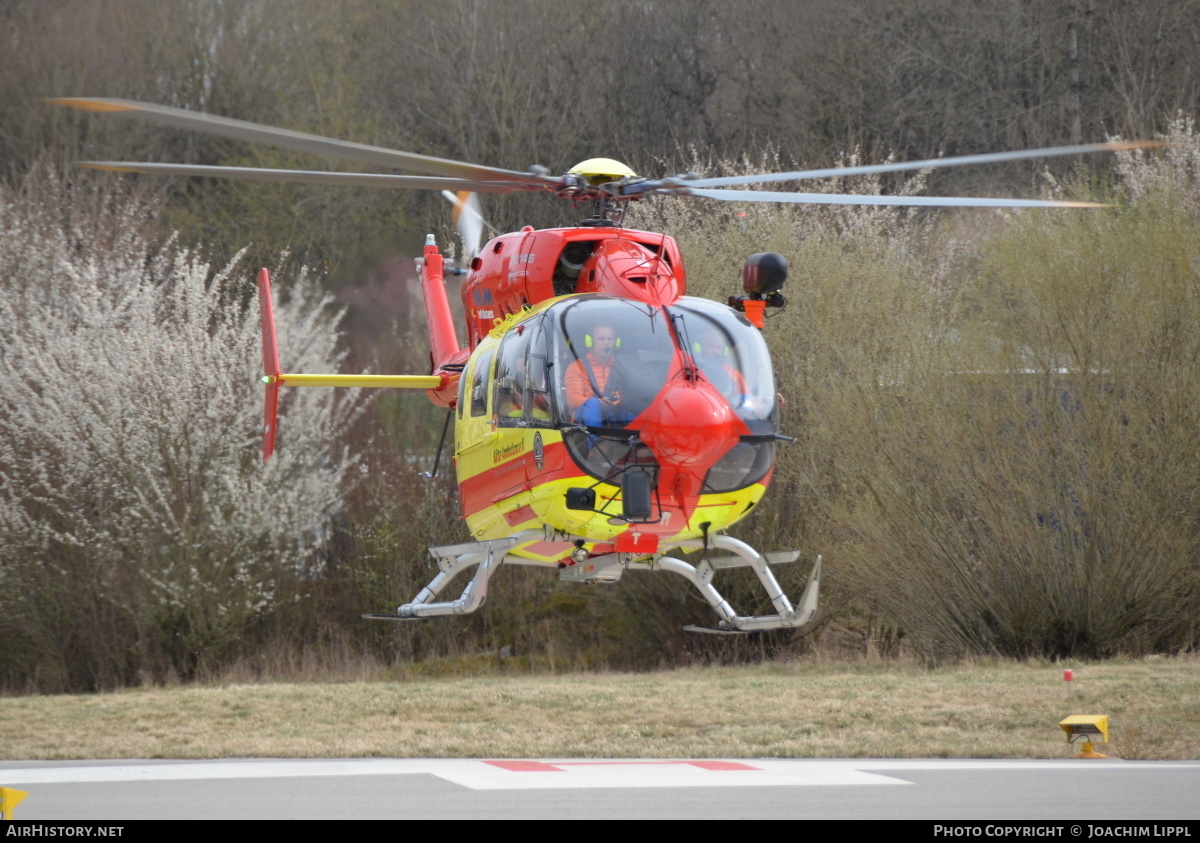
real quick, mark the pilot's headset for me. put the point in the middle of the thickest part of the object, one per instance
(587, 341)
(698, 348)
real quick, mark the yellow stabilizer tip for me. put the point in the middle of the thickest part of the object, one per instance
(85, 104)
(390, 381)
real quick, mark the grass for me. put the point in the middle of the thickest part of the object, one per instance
(997, 709)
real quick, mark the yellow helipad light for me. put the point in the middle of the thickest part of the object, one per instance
(1085, 727)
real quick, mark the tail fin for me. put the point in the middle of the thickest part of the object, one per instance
(271, 373)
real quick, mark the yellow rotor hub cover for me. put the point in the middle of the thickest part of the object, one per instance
(599, 171)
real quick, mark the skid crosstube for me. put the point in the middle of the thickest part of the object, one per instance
(609, 568)
(451, 559)
(489, 555)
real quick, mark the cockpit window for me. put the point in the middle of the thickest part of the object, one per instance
(479, 384)
(510, 374)
(612, 357)
(521, 394)
(731, 355)
(609, 359)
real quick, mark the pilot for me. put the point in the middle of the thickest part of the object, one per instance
(589, 396)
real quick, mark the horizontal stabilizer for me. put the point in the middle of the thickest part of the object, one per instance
(273, 378)
(386, 381)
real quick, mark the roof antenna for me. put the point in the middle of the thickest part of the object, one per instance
(662, 244)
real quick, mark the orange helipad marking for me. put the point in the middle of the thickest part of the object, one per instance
(556, 767)
(525, 766)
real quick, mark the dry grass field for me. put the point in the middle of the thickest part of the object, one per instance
(990, 709)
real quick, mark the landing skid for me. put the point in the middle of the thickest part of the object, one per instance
(452, 559)
(701, 576)
(489, 555)
(714, 630)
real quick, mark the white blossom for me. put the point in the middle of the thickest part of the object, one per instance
(130, 423)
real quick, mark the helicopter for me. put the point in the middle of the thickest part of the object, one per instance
(603, 419)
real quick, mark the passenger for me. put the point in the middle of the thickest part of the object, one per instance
(726, 378)
(511, 406)
(511, 397)
(590, 395)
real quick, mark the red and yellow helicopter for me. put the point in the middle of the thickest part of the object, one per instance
(603, 418)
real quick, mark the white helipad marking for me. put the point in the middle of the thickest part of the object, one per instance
(241, 768)
(569, 773)
(582, 774)
(564, 773)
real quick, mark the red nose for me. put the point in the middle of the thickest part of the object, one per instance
(690, 426)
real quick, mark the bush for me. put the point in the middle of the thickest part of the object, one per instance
(140, 532)
(996, 412)
(1036, 490)
(996, 415)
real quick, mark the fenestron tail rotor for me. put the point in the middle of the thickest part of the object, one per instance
(468, 219)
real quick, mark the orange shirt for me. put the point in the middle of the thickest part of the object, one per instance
(739, 382)
(579, 387)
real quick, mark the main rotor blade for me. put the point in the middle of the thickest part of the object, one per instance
(308, 176)
(960, 161)
(860, 199)
(301, 141)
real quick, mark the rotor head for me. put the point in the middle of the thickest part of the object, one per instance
(598, 171)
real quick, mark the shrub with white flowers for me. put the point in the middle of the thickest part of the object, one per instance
(139, 526)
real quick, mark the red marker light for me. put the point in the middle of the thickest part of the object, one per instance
(1068, 675)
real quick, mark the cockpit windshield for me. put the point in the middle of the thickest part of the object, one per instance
(613, 356)
(731, 355)
(591, 366)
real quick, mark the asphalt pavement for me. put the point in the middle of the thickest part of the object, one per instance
(1071, 791)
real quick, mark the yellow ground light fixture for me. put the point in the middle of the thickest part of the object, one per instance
(10, 798)
(1085, 727)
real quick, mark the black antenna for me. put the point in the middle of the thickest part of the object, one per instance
(429, 475)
